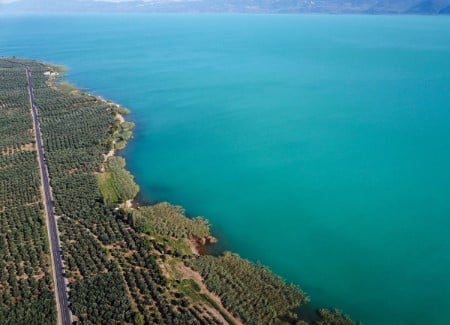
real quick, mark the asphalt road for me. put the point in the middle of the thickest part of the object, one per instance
(62, 301)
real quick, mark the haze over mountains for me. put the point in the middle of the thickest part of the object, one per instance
(433, 7)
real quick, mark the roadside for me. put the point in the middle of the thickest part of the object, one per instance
(64, 316)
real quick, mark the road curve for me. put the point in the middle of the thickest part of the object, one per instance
(64, 316)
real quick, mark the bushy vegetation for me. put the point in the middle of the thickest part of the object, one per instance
(116, 183)
(121, 110)
(333, 317)
(25, 281)
(249, 291)
(169, 220)
(122, 134)
(67, 87)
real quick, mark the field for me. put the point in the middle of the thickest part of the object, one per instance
(26, 291)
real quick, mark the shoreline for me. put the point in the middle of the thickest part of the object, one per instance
(199, 246)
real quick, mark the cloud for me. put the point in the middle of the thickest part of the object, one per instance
(7, 1)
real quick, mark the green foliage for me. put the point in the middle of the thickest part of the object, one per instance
(116, 183)
(126, 135)
(28, 311)
(189, 286)
(127, 126)
(25, 280)
(106, 186)
(120, 145)
(66, 87)
(15, 118)
(19, 178)
(333, 317)
(123, 134)
(97, 299)
(169, 220)
(121, 110)
(251, 292)
(139, 319)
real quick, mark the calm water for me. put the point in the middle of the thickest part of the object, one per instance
(318, 145)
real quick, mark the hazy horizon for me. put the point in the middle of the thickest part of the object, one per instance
(430, 7)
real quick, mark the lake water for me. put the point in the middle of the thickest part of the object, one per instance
(317, 145)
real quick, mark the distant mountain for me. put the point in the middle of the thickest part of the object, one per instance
(428, 7)
(239, 6)
(445, 11)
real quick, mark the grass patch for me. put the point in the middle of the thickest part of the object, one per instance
(190, 288)
(105, 184)
(66, 87)
(179, 247)
(117, 184)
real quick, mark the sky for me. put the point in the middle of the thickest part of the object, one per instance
(9, 1)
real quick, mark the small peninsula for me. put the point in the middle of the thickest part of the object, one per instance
(121, 263)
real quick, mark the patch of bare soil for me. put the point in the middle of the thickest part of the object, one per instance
(12, 150)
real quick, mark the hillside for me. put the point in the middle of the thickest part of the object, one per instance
(238, 6)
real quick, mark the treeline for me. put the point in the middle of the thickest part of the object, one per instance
(249, 291)
(26, 289)
(333, 317)
(165, 219)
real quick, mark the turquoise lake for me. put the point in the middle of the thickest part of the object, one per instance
(317, 145)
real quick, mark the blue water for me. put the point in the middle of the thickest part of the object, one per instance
(318, 145)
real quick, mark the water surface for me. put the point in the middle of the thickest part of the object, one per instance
(317, 145)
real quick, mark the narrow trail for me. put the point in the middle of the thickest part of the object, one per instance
(64, 316)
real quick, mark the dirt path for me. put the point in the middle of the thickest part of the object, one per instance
(188, 273)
